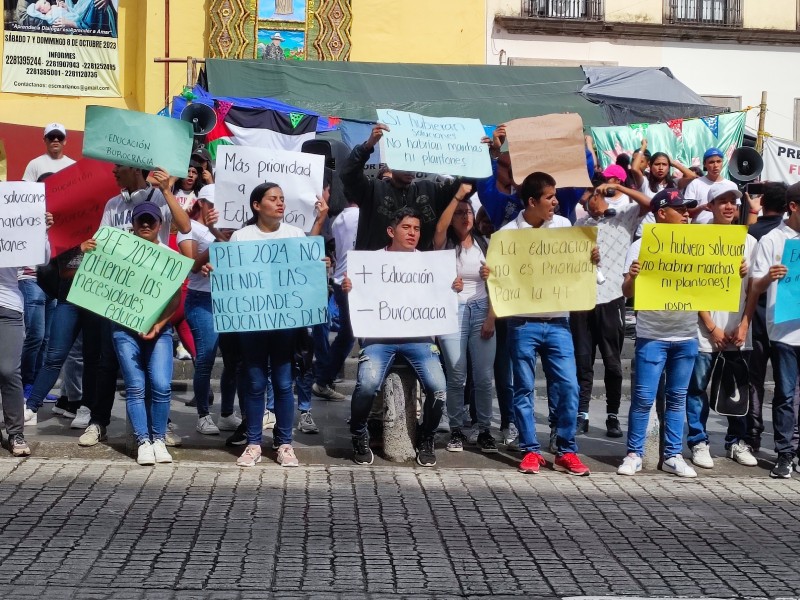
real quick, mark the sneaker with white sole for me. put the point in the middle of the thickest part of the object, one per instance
(205, 425)
(250, 457)
(677, 466)
(229, 423)
(82, 418)
(327, 392)
(509, 433)
(742, 454)
(146, 456)
(161, 453)
(182, 353)
(31, 418)
(18, 445)
(631, 465)
(93, 435)
(286, 456)
(268, 422)
(306, 424)
(701, 456)
(172, 437)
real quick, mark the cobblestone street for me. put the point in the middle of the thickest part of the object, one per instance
(109, 529)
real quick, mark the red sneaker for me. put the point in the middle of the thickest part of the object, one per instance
(531, 463)
(570, 463)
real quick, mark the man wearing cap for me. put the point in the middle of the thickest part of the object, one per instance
(54, 159)
(717, 332)
(274, 50)
(698, 188)
(666, 342)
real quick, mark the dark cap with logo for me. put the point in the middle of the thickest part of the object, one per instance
(670, 198)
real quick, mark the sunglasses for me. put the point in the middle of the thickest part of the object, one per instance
(55, 138)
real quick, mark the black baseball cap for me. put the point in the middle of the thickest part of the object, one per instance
(147, 208)
(670, 197)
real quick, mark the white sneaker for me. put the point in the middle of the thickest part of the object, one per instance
(161, 453)
(677, 466)
(742, 454)
(701, 456)
(172, 438)
(93, 435)
(268, 422)
(181, 353)
(82, 418)
(472, 434)
(146, 456)
(509, 434)
(631, 465)
(205, 425)
(31, 418)
(307, 424)
(229, 423)
(286, 456)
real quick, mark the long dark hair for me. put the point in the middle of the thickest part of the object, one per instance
(198, 182)
(669, 180)
(255, 198)
(452, 237)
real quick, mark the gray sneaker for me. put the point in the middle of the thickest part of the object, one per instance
(307, 424)
(327, 392)
(18, 445)
(93, 435)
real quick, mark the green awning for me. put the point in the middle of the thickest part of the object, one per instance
(349, 90)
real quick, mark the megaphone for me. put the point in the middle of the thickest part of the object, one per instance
(745, 165)
(202, 117)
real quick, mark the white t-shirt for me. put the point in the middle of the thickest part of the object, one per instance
(344, 228)
(557, 221)
(204, 238)
(698, 190)
(645, 187)
(468, 267)
(614, 237)
(617, 203)
(253, 233)
(186, 199)
(44, 164)
(117, 212)
(665, 325)
(650, 217)
(769, 252)
(729, 321)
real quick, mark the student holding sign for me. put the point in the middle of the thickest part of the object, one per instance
(784, 336)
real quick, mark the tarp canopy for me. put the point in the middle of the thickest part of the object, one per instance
(350, 90)
(643, 95)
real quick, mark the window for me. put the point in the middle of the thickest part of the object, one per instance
(585, 10)
(715, 13)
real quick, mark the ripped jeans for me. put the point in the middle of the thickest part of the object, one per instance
(374, 363)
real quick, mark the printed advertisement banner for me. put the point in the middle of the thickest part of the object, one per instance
(64, 49)
(781, 161)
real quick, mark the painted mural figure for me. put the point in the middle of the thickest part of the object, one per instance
(283, 7)
(274, 50)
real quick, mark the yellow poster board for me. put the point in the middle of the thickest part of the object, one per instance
(534, 270)
(690, 267)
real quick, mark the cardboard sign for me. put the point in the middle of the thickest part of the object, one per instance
(127, 279)
(268, 285)
(402, 294)
(690, 267)
(535, 270)
(239, 169)
(553, 144)
(450, 145)
(787, 299)
(137, 139)
(23, 232)
(76, 196)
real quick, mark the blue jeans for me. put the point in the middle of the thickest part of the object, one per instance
(481, 354)
(197, 308)
(38, 314)
(676, 360)
(267, 356)
(374, 363)
(697, 405)
(785, 361)
(552, 339)
(147, 369)
(342, 345)
(302, 383)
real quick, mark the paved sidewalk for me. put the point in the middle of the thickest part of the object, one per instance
(109, 529)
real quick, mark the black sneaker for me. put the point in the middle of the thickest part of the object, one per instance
(238, 437)
(426, 457)
(457, 441)
(486, 443)
(613, 430)
(362, 454)
(581, 425)
(782, 468)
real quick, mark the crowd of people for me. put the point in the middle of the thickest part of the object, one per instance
(460, 373)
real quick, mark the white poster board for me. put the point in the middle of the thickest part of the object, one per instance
(23, 233)
(449, 145)
(402, 294)
(239, 169)
(781, 161)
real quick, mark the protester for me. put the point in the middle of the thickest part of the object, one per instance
(54, 159)
(378, 354)
(698, 188)
(784, 337)
(666, 342)
(186, 189)
(720, 332)
(657, 177)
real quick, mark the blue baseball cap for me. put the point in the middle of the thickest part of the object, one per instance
(712, 152)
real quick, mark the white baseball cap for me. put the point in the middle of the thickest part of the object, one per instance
(207, 193)
(55, 127)
(725, 186)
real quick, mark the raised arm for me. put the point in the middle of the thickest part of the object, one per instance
(440, 236)
(357, 184)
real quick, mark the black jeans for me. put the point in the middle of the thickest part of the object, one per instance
(603, 328)
(107, 369)
(757, 371)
